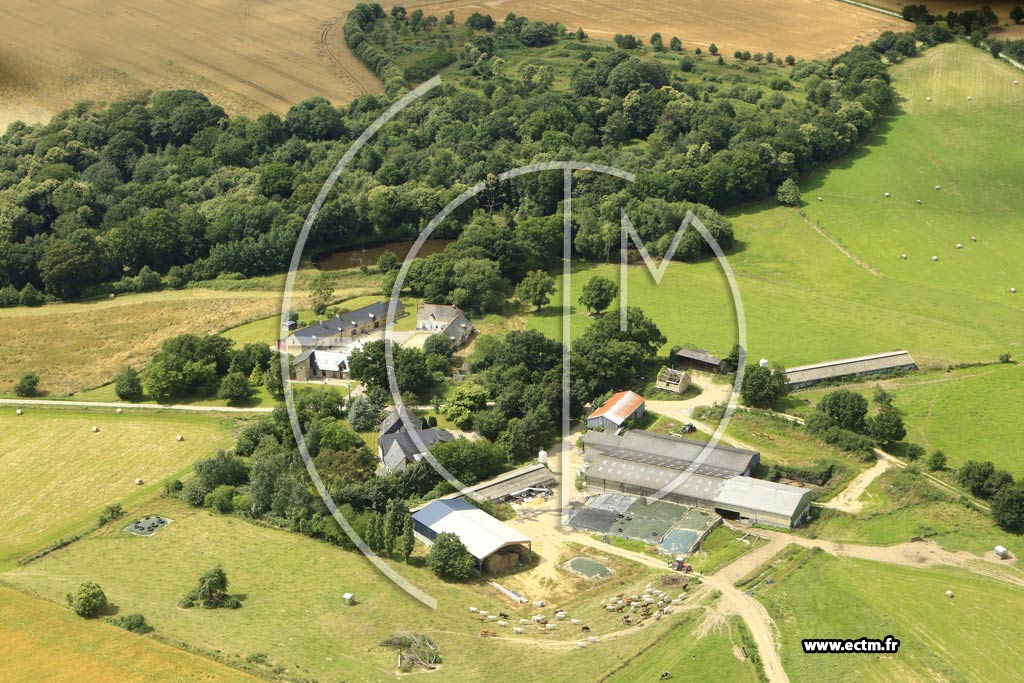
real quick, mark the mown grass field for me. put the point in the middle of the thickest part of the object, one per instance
(805, 300)
(44, 642)
(973, 637)
(686, 654)
(958, 412)
(58, 475)
(291, 590)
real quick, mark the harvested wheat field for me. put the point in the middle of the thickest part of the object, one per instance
(803, 28)
(249, 56)
(81, 345)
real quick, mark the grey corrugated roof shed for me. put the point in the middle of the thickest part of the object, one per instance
(699, 355)
(507, 483)
(759, 495)
(879, 362)
(671, 452)
(654, 477)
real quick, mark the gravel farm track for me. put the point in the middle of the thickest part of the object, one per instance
(252, 56)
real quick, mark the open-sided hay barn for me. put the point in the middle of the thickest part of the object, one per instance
(494, 545)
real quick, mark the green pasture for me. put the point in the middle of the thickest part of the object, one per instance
(805, 300)
(691, 656)
(972, 637)
(58, 474)
(970, 413)
(291, 587)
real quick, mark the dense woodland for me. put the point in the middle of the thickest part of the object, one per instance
(167, 189)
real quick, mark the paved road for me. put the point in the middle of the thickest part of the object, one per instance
(129, 406)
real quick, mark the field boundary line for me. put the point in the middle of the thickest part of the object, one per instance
(138, 406)
(873, 8)
(835, 243)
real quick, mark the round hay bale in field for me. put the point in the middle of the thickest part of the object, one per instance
(182, 438)
(973, 238)
(888, 194)
(935, 258)
(119, 411)
(1013, 290)
(938, 187)
(928, 99)
(949, 594)
(95, 429)
(970, 99)
(959, 246)
(918, 201)
(111, 295)
(19, 411)
(139, 482)
(1016, 83)
(820, 199)
(903, 256)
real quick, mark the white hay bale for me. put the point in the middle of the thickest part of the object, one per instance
(119, 411)
(1016, 83)
(110, 296)
(928, 99)
(820, 199)
(903, 256)
(139, 482)
(471, 609)
(95, 429)
(959, 246)
(1013, 290)
(888, 194)
(938, 187)
(19, 411)
(969, 98)
(949, 594)
(918, 201)
(182, 438)
(935, 258)
(973, 238)
(518, 629)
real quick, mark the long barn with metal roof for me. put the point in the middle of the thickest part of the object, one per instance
(644, 464)
(807, 375)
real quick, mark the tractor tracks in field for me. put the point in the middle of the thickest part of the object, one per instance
(325, 32)
(838, 245)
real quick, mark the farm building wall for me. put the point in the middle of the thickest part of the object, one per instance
(598, 485)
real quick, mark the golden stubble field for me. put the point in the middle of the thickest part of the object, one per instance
(803, 28)
(250, 56)
(74, 346)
